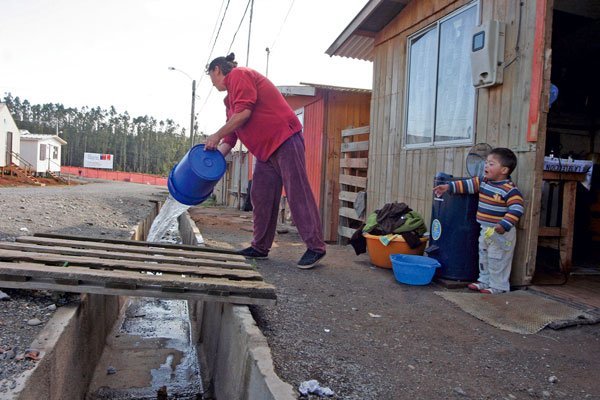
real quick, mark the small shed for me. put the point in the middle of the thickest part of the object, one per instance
(325, 111)
(427, 113)
(43, 152)
(10, 144)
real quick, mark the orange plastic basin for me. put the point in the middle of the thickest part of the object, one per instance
(380, 254)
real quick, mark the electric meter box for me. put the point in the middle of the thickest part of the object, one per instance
(487, 53)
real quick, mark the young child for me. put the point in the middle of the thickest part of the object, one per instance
(499, 209)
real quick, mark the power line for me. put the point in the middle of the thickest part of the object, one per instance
(239, 26)
(282, 25)
(216, 23)
(206, 100)
(217, 37)
(232, 41)
(211, 52)
(228, 50)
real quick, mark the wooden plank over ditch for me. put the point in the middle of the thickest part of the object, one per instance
(83, 265)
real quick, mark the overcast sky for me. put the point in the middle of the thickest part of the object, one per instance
(117, 52)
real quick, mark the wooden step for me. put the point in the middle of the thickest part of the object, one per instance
(57, 177)
(22, 173)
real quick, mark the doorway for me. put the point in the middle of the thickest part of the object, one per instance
(9, 144)
(573, 136)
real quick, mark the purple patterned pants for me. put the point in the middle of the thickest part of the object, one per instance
(286, 167)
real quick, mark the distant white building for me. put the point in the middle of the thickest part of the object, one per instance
(41, 151)
(10, 143)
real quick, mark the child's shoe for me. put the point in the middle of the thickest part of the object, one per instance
(492, 291)
(478, 286)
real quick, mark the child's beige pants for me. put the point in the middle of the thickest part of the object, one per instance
(495, 258)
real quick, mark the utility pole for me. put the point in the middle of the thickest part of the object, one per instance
(193, 111)
(239, 197)
(249, 32)
(192, 116)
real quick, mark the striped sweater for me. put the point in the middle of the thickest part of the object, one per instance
(500, 202)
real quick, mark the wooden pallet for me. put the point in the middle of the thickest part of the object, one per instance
(353, 179)
(130, 268)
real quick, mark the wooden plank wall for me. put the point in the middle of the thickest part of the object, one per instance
(398, 174)
(314, 141)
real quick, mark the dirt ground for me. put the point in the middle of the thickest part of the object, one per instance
(356, 330)
(14, 181)
(345, 323)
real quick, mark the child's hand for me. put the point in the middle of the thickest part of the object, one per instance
(499, 229)
(440, 190)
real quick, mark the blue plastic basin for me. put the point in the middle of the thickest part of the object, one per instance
(193, 179)
(413, 270)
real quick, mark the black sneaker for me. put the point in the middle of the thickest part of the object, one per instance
(309, 258)
(251, 252)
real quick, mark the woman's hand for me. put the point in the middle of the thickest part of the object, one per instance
(212, 141)
(233, 123)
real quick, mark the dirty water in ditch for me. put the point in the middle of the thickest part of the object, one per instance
(150, 354)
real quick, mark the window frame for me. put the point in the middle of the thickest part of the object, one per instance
(436, 25)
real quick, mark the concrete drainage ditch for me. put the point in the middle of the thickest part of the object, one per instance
(232, 354)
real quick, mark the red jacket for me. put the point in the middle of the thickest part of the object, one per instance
(272, 121)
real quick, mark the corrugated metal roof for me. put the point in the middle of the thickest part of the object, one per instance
(336, 88)
(358, 39)
(26, 135)
(296, 90)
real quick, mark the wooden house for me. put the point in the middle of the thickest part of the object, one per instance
(426, 112)
(324, 112)
(43, 152)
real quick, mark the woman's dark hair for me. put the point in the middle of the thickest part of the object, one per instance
(506, 157)
(225, 64)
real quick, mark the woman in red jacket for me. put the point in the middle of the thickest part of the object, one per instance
(259, 116)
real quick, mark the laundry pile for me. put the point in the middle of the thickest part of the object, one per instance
(392, 220)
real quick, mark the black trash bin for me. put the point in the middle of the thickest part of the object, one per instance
(454, 233)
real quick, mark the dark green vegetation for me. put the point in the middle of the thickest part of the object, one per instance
(139, 144)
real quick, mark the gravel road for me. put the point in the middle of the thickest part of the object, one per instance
(345, 323)
(353, 328)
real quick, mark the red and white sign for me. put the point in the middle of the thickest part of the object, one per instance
(95, 160)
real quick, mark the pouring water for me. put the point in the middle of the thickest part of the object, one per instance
(166, 219)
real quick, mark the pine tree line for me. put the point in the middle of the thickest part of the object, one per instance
(139, 144)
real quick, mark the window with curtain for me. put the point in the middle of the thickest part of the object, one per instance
(440, 107)
(42, 152)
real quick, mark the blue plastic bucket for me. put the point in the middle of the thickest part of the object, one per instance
(193, 179)
(413, 270)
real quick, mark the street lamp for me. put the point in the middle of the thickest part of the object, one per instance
(193, 103)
